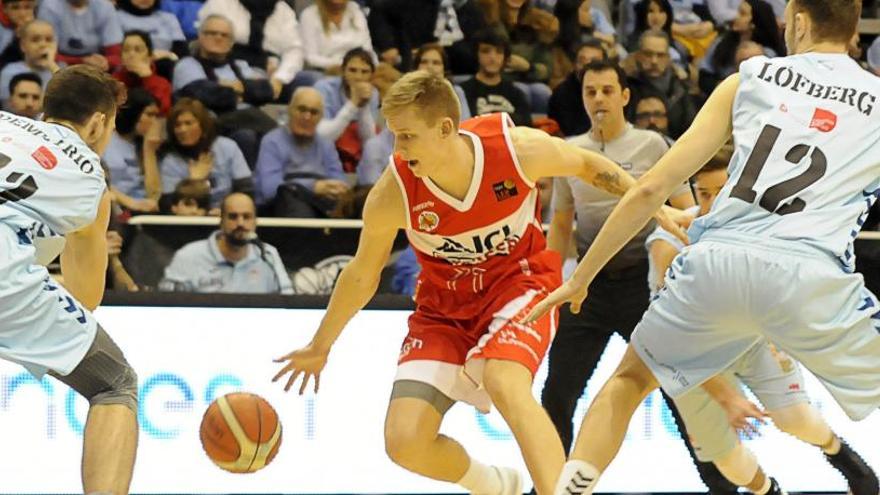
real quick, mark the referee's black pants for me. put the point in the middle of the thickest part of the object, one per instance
(616, 302)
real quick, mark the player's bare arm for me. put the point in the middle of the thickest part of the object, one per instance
(384, 214)
(662, 253)
(84, 259)
(710, 130)
(542, 155)
(739, 409)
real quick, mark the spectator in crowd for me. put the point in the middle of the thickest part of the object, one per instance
(655, 74)
(398, 27)
(747, 50)
(330, 28)
(214, 76)
(162, 28)
(88, 31)
(579, 22)
(873, 56)
(267, 36)
(566, 104)
(39, 49)
(195, 151)
(138, 70)
(487, 91)
(187, 14)
(658, 15)
(531, 32)
(26, 95)
(693, 26)
(755, 22)
(652, 114)
(299, 167)
(191, 198)
(351, 107)
(432, 58)
(15, 13)
(119, 278)
(229, 261)
(131, 155)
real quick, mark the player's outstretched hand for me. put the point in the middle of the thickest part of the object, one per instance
(569, 292)
(675, 222)
(308, 362)
(739, 413)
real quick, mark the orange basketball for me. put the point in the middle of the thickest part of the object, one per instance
(240, 432)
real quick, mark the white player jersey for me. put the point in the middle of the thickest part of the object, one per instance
(806, 163)
(51, 182)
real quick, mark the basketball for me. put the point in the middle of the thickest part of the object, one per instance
(240, 432)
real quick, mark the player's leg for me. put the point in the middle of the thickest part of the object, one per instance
(46, 330)
(712, 477)
(716, 442)
(604, 427)
(572, 359)
(683, 339)
(804, 422)
(413, 441)
(109, 383)
(430, 379)
(777, 381)
(509, 384)
(740, 466)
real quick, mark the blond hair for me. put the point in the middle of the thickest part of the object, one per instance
(430, 96)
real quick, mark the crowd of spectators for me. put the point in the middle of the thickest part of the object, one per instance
(280, 99)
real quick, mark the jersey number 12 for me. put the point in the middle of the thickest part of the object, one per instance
(776, 194)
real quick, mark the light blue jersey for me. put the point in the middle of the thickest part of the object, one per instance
(50, 181)
(805, 168)
(765, 262)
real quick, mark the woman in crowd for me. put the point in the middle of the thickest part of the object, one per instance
(331, 28)
(131, 154)
(162, 28)
(755, 22)
(351, 107)
(432, 58)
(657, 15)
(195, 151)
(138, 70)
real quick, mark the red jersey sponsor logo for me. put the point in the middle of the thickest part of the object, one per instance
(823, 120)
(794, 387)
(428, 221)
(504, 190)
(45, 158)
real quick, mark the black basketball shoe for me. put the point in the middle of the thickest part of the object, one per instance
(861, 478)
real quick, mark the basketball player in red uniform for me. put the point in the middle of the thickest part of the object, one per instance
(466, 198)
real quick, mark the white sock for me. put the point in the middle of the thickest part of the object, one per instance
(481, 478)
(833, 446)
(765, 488)
(577, 478)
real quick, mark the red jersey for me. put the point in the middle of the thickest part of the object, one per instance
(468, 247)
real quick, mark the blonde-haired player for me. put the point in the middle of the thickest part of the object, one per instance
(466, 197)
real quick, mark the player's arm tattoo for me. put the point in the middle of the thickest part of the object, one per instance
(609, 181)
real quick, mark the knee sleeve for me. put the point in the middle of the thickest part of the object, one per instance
(804, 422)
(739, 465)
(104, 376)
(424, 391)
